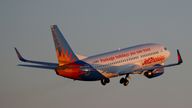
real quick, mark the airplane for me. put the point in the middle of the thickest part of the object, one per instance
(145, 59)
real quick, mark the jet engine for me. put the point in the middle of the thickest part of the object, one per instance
(154, 73)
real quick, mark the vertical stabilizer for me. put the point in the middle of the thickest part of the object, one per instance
(64, 52)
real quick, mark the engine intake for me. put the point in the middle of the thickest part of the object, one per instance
(154, 73)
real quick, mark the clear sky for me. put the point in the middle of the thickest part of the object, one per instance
(92, 27)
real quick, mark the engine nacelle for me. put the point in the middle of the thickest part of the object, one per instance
(154, 73)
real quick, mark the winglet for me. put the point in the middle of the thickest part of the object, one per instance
(180, 60)
(19, 55)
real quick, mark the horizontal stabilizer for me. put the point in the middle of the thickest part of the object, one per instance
(80, 56)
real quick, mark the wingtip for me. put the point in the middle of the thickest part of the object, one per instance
(180, 60)
(19, 55)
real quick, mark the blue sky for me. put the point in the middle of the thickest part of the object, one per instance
(92, 27)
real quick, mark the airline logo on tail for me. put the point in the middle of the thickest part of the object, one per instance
(64, 57)
(64, 52)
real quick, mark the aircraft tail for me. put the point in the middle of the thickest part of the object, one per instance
(64, 52)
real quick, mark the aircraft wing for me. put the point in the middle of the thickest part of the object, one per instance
(37, 66)
(45, 65)
(179, 58)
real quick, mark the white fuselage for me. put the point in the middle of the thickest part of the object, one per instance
(114, 63)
